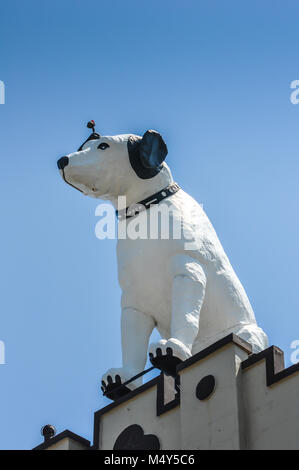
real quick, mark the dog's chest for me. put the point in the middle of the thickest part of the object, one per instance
(145, 278)
(143, 264)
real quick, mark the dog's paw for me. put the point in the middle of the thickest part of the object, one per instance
(113, 380)
(158, 348)
(178, 349)
(167, 354)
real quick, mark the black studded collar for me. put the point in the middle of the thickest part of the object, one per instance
(140, 206)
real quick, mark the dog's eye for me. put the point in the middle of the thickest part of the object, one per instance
(103, 146)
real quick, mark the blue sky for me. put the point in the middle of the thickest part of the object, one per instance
(214, 78)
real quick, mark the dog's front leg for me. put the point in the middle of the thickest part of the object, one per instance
(136, 328)
(188, 291)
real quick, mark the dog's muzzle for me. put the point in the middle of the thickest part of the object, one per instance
(62, 162)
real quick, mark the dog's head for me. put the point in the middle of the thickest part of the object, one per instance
(108, 166)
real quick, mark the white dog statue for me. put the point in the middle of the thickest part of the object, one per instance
(191, 294)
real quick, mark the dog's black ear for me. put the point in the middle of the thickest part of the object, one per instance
(153, 149)
(147, 154)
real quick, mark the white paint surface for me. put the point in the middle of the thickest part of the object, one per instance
(193, 297)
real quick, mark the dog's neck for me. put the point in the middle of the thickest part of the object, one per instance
(143, 189)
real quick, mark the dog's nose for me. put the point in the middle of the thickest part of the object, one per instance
(62, 162)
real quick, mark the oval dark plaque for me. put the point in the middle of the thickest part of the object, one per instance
(205, 387)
